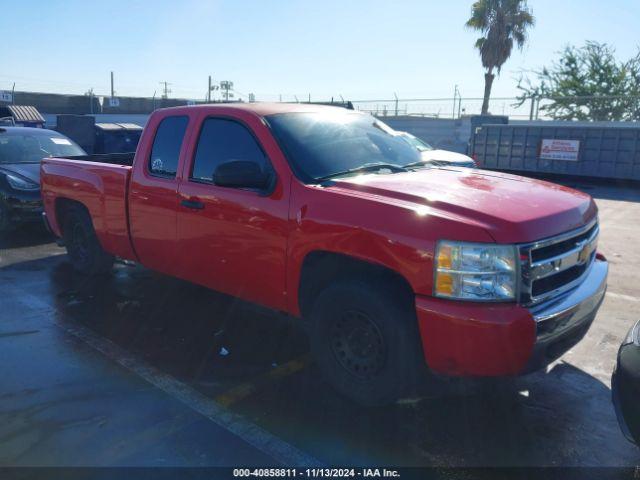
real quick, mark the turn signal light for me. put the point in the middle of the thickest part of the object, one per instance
(444, 257)
(444, 284)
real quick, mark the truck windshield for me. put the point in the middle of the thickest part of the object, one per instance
(322, 145)
(31, 148)
(416, 143)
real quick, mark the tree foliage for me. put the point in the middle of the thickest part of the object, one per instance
(587, 83)
(502, 23)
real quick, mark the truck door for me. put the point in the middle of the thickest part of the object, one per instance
(232, 239)
(153, 192)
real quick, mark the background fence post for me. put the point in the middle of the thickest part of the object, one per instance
(533, 102)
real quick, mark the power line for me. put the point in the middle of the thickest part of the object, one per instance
(226, 87)
(165, 89)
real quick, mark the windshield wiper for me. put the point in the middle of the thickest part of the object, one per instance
(368, 167)
(419, 163)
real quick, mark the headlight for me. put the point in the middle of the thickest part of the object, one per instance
(475, 271)
(633, 336)
(21, 183)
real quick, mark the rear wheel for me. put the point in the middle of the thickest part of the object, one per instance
(83, 248)
(365, 341)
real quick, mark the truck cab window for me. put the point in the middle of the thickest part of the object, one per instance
(223, 141)
(165, 152)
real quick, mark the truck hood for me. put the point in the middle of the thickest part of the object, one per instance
(510, 208)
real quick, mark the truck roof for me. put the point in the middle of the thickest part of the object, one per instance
(260, 108)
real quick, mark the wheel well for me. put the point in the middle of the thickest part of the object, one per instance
(320, 268)
(62, 207)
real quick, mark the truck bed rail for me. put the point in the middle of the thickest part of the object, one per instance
(111, 158)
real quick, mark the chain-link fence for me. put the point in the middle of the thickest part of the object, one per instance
(601, 108)
(449, 107)
(587, 108)
(427, 107)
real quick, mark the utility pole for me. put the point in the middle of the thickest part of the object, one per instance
(211, 88)
(165, 90)
(455, 97)
(396, 101)
(113, 92)
(89, 93)
(226, 86)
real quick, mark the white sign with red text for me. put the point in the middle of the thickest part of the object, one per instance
(555, 149)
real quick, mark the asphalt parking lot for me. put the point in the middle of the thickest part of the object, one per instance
(141, 369)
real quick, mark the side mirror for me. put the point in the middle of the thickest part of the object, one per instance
(241, 174)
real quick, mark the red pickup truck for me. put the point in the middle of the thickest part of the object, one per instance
(324, 214)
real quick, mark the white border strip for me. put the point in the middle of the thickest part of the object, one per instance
(281, 451)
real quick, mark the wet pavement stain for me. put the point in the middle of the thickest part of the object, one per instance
(256, 363)
(15, 334)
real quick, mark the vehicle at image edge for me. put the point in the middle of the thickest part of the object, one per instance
(437, 157)
(21, 149)
(402, 272)
(625, 385)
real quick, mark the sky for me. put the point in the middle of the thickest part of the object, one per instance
(365, 49)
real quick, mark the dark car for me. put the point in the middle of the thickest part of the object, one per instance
(21, 149)
(625, 385)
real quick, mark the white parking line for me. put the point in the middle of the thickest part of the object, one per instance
(622, 296)
(278, 449)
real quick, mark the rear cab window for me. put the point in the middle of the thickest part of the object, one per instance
(165, 152)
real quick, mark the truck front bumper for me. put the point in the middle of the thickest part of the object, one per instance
(493, 339)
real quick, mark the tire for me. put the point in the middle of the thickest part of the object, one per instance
(83, 248)
(364, 338)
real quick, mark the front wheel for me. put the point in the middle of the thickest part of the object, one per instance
(365, 341)
(83, 248)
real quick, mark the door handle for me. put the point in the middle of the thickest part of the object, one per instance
(193, 204)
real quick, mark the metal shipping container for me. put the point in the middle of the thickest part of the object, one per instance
(99, 137)
(593, 151)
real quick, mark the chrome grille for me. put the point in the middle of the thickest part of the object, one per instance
(555, 265)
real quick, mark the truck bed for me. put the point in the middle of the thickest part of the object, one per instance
(99, 183)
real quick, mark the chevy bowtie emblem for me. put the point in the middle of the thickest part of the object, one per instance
(583, 255)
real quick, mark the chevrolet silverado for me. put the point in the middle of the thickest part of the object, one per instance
(398, 267)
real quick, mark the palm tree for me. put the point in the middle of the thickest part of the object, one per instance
(501, 22)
